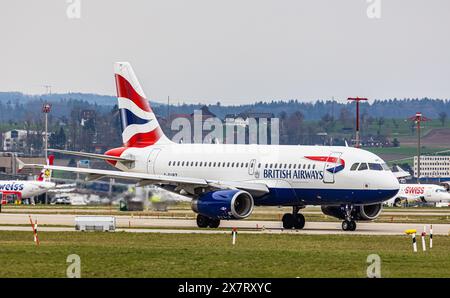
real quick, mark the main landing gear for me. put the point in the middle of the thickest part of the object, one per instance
(204, 222)
(294, 220)
(348, 224)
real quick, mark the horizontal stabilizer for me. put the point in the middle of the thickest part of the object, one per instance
(93, 155)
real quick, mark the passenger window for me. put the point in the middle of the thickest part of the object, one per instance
(228, 164)
(192, 163)
(285, 165)
(259, 165)
(210, 163)
(354, 166)
(169, 163)
(295, 166)
(362, 167)
(242, 165)
(309, 167)
(246, 165)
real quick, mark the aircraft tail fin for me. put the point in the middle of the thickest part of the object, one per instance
(46, 174)
(140, 128)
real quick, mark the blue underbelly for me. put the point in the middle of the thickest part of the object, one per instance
(286, 196)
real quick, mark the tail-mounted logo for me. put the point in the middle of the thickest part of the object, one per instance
(338, 163)
(47, 173)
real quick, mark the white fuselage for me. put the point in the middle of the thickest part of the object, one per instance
(415, 193)
(25, 189)
(294, 174)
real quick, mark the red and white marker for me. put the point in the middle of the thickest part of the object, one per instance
(414, 242)
(234, 234)
(424, 233)
(34, 227)
(431, 236)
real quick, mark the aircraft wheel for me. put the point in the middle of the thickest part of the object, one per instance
(214, 223)
(202, 221)
(299, 221)
(288, 221)
(353, 225)
(348, 225)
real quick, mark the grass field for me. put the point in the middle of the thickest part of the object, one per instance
(193, 255)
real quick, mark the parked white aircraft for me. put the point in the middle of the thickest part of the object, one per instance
(400, 173)
(225, 181)
(420, 193)
(24, 189)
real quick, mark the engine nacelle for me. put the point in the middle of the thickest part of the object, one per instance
(365, 212)
(224, 204)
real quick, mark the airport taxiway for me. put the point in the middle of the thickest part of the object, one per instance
(65, 222)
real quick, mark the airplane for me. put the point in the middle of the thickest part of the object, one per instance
(226, 181)
(25, 189)
(400, 173)
(420, 193)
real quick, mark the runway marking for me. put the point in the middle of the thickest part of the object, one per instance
(153, 225)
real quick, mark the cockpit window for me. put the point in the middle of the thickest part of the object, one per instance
(354, 166)
(375, 167)
(385, 167)
(362, 167)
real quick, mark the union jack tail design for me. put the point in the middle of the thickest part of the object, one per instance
(140, 127)
(46, 174)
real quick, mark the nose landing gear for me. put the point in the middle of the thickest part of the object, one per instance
(349, 224)
(293, 220)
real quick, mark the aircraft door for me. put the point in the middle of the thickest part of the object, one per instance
(251, 167)
(329, 169)
(152, 160)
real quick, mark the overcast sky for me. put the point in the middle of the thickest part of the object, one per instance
(233, 51)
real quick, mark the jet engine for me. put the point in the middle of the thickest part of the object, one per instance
(364, 212)
(224, 204)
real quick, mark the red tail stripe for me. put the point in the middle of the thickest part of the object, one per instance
(124, 89)
(145, 139)
(51, 158)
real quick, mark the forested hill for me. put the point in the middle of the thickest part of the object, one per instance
(18, 106)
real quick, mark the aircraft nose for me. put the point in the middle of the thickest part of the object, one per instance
(391, 182)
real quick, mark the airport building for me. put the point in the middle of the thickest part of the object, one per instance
(433, 167)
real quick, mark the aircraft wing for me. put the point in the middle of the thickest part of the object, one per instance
(189, 185)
